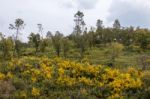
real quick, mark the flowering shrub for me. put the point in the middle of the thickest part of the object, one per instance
(58, 78)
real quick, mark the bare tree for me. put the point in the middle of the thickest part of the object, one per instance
(18, 26)
(40, 30)
(79, 32)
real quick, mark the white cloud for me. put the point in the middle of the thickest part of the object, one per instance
(86, 4)
(79, 4)
(130, 12)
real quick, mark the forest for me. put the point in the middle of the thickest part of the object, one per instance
(90, 63)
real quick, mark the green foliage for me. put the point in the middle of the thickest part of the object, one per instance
(114, 51)
(7, 46)
(116, 24)
(143, 37)
(146, 80)
(57, 42)
(34, 40)
(66, 45)
(80, 36)
(91, 38)
(18, 47)
(43, 45)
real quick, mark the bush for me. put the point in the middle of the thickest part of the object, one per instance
(114, 51)
(134, 48)
(146, 81)
(58, 78)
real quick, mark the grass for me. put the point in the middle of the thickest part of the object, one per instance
(95, 56)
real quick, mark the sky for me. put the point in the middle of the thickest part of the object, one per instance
(59, 14)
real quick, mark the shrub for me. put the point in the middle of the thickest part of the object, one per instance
(59, 78)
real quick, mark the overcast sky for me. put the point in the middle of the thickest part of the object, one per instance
(59, 14)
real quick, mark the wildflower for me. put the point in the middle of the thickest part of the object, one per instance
(33, 78)
(2, 76)
(61, 71)
(35, 91)
(48, 75)
(85, 81)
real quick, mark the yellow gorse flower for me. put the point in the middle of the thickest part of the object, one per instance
(35, 91)
(40, 70)
(2, 76)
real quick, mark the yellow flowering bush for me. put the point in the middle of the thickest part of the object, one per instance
(51, 76)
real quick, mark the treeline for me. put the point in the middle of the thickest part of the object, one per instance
(81, 38)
